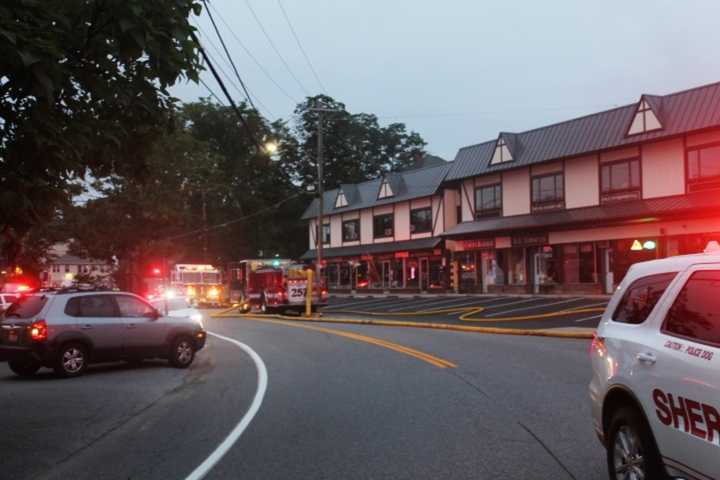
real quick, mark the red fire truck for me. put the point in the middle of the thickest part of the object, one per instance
(273, 285)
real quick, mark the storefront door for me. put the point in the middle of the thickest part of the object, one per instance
(606, 270)
(424, 273)
(541, 263)
(386, 274)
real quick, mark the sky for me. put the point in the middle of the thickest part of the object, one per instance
(460, 71)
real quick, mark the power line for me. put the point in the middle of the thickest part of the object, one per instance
(299, 44)
(220, 82)
(211, 92)
(227, 53)
(272, 44)
(252, 57)
(235, 220)
(228, 77)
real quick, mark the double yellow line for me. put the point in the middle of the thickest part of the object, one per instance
(425, 357)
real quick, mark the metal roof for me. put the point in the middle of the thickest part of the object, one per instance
(406, 185)
(679, 112)
(417, 244)
(693, 204)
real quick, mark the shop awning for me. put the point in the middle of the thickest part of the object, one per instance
(697, 204)
(387, 247)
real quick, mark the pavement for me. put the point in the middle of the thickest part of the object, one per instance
(342, 401)
(520, 312)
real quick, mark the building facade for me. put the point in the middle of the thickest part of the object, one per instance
(570, 206)
(64, 269)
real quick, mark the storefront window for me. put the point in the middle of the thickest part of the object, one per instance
(587, 263)
(362, 275)
(332, 274)
(344, 275)
(571, 264)
(375, 273)
(493, 268)
(412, 273)
(436, 277)
(516, 267)
(468, 271)
(397, 274)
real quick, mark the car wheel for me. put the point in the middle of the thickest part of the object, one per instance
(631, 450)
(24, 367)
(183, 352)
(71, 361)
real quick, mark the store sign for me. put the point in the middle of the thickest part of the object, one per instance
(637, 245)
(366, 257)
(478, 243)
(402, 254)
(529, 240)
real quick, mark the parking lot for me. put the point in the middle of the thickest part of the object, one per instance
(489, 311)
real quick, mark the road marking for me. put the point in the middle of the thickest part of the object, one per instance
(416, 302)
(588, 318)
(496, 314)
(366, 303)
(425, 357)
(212, 460)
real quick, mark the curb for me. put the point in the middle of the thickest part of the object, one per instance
(431, 326)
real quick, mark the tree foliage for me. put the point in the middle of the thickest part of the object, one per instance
(83, 89)
(356, 147)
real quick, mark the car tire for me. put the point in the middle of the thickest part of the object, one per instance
(182, 353)
(24, 367)
(71, 360)
(631, 448)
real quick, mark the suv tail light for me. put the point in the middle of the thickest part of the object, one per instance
(323, 293)
(598, 345)
(39, 331)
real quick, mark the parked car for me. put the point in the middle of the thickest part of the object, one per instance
(655, 387)
(70, 329)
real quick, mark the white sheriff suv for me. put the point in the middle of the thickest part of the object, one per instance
(655, 388)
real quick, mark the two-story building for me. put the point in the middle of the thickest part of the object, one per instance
(570, 206)
(384, 234)
(563, 208)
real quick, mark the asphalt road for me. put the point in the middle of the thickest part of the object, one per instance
(336, 407)
(490, 311)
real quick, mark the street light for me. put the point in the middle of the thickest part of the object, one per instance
(271, 147)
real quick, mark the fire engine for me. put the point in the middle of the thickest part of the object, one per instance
(270, 285)
(200, 282)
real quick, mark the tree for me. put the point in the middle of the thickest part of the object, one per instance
(356, 147)
(83, 90)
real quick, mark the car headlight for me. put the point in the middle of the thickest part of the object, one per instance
(197, 317)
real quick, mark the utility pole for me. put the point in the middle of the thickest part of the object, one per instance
(321, 188)
(204, 221)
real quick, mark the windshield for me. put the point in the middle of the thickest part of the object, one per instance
(26, 307)
(172, 304)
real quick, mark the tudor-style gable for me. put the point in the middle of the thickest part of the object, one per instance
(647, 116)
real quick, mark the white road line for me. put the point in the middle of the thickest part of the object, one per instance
(588, 318)
(208, 464)
(418, 302)
(359, 301)
(532, 306)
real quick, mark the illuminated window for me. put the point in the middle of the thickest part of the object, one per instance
(385, 189)
(645, 120)
(341, 201)
(502, 152)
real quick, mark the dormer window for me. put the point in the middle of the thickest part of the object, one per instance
(645, 119)
(385, 190)
(341, 201)
(502, 152)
